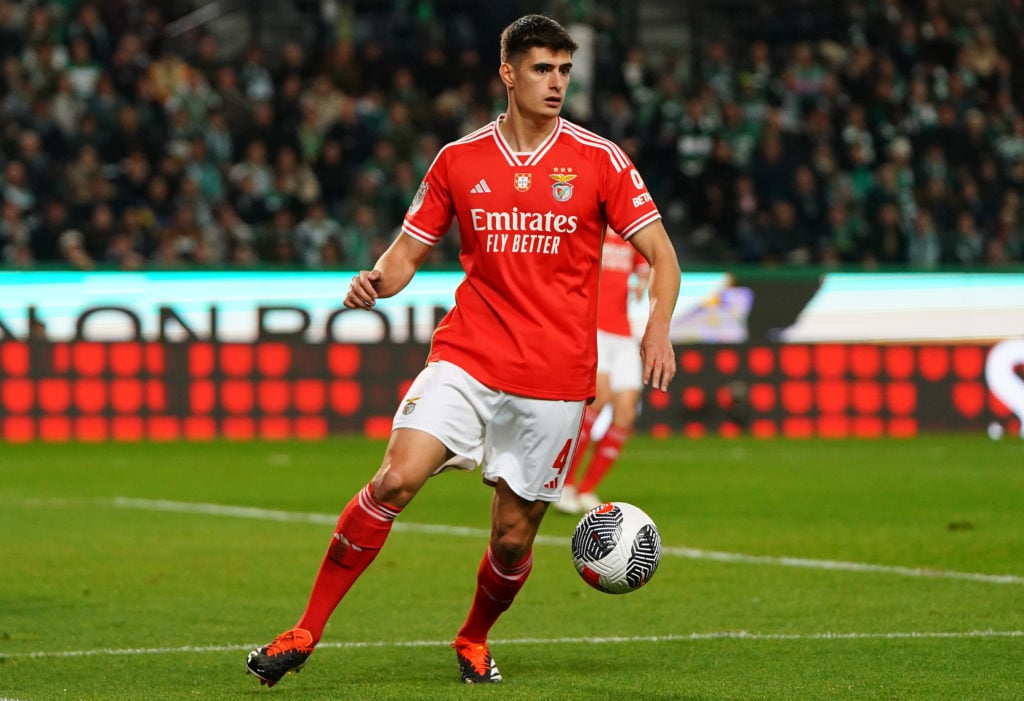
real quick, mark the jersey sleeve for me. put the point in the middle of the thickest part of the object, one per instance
(431, 212)
(629, 206)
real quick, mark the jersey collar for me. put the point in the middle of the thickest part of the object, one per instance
(511, 157)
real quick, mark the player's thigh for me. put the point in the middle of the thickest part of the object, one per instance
(624, 407)
(411, 457)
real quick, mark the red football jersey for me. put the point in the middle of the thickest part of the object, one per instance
(531, 228)
(618, 263)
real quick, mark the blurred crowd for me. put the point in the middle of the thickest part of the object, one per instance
(894, 139)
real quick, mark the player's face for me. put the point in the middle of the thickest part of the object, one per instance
(538, 81)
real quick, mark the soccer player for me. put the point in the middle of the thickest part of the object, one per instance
(514, 361)
(624, 273)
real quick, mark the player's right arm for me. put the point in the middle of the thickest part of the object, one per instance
(390, 274)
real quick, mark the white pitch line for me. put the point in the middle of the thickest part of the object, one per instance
(839, 565)
(582, 640)
(684, 552)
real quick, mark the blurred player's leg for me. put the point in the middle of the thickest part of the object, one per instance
(609, 447)
(569, 504)
(606, 452)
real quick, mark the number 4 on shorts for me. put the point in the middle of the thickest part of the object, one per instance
(560, 462)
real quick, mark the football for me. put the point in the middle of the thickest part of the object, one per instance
(616, 548)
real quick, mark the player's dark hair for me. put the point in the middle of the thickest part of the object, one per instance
(534, 30)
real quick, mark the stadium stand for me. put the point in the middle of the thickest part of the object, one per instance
(871, 133)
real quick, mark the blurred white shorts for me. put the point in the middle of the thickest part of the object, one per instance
(619, 358)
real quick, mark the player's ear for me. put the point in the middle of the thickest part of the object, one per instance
(507, 74)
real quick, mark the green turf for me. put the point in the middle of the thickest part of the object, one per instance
(105, 598)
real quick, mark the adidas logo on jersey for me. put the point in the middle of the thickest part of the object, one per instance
(480, 187)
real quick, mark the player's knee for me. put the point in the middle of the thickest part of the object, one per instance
(624, 414)
(394, 487)
(511, 546)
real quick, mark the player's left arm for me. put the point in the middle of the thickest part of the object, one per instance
(659, 359)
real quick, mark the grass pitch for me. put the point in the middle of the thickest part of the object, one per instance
(792, 570)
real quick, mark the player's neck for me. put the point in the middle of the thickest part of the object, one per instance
(526, 134)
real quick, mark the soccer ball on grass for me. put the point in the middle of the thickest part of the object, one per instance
(616, 548)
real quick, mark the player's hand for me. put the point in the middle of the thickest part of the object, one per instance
(659, 359)
(362, 292)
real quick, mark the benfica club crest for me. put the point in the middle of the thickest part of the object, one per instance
(523, 181)
(561, 188)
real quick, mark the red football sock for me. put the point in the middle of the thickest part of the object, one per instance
(362, 528)
(582, 443)
(496, 587)
(605, 455)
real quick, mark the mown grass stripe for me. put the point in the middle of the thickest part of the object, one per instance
(685, 552)
(257, 513)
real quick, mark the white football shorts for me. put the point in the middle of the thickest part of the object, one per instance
(526, 442)
(619, 358)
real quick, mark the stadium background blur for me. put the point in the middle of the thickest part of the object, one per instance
(868, 134)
